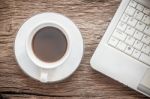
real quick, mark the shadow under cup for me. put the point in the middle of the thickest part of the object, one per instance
(48, 46)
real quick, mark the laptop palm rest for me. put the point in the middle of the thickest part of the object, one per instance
(144, 85)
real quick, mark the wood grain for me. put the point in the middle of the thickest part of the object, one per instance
(92, 17)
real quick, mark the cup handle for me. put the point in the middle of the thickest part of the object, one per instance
(44, 75)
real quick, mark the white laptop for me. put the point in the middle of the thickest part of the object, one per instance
(124, 52)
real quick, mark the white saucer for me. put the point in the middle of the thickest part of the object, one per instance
(72, 62)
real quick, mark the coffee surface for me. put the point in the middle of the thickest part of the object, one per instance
(49, 44)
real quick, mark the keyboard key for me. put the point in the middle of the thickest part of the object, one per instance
(130, 40)
(146, 49)
(130, 10)
(129, 30)
(138, 15)
(113, 41)
(122, 26)
(146, 39)
(146, 19)
(138, 35)
(140, 7)
(140, 26)
(145, 58)
(129, 50)
(146, 11)
(138, 45)
(125, 18)
(136, 54)
(132, 21)
(121, 46)
(119, 35)
(133, 3)
(147, 30)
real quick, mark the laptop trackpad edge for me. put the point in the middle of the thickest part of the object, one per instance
(144, 85)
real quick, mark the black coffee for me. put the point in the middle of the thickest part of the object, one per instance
(49, 44)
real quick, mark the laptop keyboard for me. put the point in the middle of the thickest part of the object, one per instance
(132, 34)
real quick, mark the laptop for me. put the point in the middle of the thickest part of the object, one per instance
(124, 51)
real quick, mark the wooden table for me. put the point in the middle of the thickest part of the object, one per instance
(92, 17)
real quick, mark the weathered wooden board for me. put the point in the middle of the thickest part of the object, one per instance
(92, 17)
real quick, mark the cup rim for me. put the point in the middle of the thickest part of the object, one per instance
(34, 58)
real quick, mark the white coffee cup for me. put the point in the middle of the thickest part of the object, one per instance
(45, 67)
